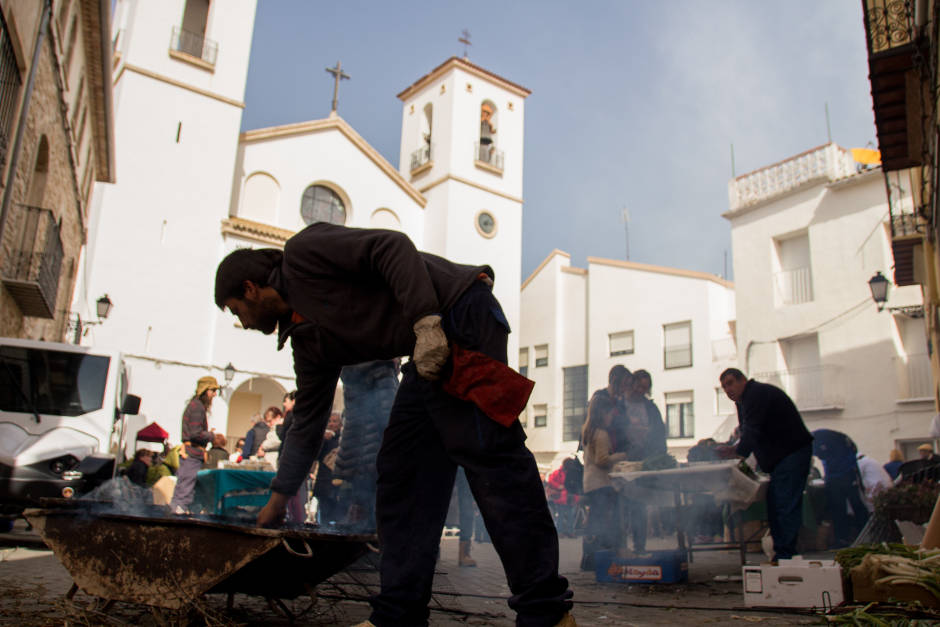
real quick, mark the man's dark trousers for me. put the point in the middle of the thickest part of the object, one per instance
(428, 435)
(839, 492)
(785, 500)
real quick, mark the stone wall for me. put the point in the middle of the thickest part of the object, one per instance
(60, 194)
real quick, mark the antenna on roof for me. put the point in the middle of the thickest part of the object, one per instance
(625, 214)
(732, 160)
(828, 129)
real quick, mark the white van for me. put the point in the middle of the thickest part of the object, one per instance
(62, 413)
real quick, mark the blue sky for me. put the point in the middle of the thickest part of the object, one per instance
(634, 104)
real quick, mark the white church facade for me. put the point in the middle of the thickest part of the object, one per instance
(190, 189)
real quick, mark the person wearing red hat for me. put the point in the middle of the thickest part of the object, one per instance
(195, 435)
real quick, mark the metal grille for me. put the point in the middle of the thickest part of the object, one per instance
(32, 274)
(9, 89)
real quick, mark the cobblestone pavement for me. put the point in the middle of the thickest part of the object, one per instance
(33, 586)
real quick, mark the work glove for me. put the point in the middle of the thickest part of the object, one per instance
(431, 349)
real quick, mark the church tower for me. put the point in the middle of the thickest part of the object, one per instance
(461, 146)
(179, 82)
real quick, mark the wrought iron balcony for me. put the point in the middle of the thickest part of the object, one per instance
(829, 162)
(488, 155)
(194, 44)
(31, 274)
(897, 56)
(915, 380)
(420, 157)
(906, 225)
(817, 388)
(9, 89)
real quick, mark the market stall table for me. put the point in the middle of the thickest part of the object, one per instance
(724, 481)
(232, 493)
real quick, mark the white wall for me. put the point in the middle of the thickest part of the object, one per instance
(845, 223)
(574, 311)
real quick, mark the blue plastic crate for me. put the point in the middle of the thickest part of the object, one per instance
(657, 567)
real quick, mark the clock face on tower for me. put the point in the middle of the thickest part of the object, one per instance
(486, 224)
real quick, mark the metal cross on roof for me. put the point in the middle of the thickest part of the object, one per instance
(338, 75)
(465, 40)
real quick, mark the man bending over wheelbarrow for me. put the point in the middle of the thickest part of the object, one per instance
(344, 296)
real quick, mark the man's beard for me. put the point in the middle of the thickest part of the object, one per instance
(267, 324)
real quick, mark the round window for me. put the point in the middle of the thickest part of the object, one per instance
(322, 204)
(486, 224)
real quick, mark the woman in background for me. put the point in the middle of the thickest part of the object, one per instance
(603, 525)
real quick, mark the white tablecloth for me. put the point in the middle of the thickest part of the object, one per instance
(723, 480)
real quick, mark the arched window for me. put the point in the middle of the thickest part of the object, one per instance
(37, 182)
(321, 204)
(260, 199)
(385, 219)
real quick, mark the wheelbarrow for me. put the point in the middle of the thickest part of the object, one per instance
(170, 561)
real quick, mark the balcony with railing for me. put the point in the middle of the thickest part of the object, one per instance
(487, 157)
(915, 381)
(9, 89)
(828, 162)
(421, 160)
(816, 388)
(794, 287)
(31, 274)
(195, 45)
(895, 49)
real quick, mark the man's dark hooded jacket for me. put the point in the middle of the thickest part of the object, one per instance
(355, 294)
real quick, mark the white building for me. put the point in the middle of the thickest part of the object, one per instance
(578, 323)
(808, 233)
(190, 189)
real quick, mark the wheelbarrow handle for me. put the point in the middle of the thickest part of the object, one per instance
(309, 551)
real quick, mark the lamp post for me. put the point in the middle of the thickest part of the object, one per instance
(878, 285)
(229, 373)
(104, 306)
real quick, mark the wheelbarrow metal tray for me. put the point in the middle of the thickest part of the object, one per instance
(169, 561)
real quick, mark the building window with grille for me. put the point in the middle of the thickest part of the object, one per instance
(541, 356)
(322, 204)
(524, 361)
(620, 343)
(680, 417)
(10, 82)
(677, 345)
(540, 415)
(575, 401)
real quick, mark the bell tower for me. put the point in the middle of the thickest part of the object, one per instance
(461, 146)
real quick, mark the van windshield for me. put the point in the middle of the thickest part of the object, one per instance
(51, 382)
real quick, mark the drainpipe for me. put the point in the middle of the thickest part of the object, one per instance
(24, 110)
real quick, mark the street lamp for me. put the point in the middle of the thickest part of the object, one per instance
(879, 289)
(104, 306)
(229, 373)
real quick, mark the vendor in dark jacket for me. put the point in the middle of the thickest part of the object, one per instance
(344, 296)
(772, 429)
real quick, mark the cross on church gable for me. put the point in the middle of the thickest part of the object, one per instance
(338, 75)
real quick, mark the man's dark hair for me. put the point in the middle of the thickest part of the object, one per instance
(292, 395)
(617, 374)
(734, 372)
(244, 264)
(642, 374)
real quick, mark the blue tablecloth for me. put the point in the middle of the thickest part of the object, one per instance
(232, 493)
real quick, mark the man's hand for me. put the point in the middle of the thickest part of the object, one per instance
(272, 514)
(726, 451)
(431, 349)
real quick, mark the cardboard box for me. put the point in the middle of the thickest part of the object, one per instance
(656, 567)
(793, 583)
(864, 590)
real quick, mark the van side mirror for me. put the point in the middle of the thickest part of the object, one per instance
(131, 405)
